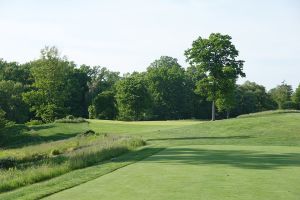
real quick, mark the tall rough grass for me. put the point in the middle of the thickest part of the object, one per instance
(77, 153)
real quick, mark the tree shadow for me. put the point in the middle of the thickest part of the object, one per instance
(237, 158)
(202, 138)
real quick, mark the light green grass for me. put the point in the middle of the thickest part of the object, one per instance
(280, 129)
(249, 141)
(201, 172)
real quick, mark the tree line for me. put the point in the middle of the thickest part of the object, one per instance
(53, 87)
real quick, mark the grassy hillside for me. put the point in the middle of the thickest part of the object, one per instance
(275, 141)
(277, 129)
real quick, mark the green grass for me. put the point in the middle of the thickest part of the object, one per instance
(268, 113)
(256, 151)
(200, 172)
(77, 177)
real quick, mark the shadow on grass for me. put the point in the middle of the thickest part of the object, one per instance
(200, 138)
(236, 158)
(18, 135)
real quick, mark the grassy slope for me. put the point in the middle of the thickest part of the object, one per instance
(280, 129)
(275, 130)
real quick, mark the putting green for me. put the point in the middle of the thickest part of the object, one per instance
(217, 172)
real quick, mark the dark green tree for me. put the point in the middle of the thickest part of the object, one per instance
(12, 71)
(217, 58)
(11, 101)
(105, 105)
(251, 97)
(77, 102)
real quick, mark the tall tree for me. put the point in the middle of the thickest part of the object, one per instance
(168, 87)
(217, 58)
(51, 90)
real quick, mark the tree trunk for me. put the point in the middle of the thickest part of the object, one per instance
(227, 114)
(213, 111)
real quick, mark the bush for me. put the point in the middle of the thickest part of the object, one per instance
(88, 133)
(34, 122)
(55, 152)
(7, 163)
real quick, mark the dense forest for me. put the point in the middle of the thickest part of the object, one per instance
(52, 87)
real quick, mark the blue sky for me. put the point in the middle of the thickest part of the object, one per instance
(128, 35)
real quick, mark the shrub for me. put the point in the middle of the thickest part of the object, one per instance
(55, 152)
(88, 133)
(7, 163)
(34, 122)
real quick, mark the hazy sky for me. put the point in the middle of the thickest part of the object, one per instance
(128, 35)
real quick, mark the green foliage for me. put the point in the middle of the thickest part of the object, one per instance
(77, 84)
(296, 97)
(51, 90)
(55, 152)
(250, 98)
(11, 101)
(216, 57)
(3, 121)
(104, 105)
(12, 71)
(281, 94)
(133, 98)
(169, 90)
(289, 105)
(92, 112)
(34, 122)
(100, 80)
(200, 107)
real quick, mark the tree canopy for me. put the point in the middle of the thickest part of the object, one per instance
(53, 87)
(216, 57)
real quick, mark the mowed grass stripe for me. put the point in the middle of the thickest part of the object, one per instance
(201, 172)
